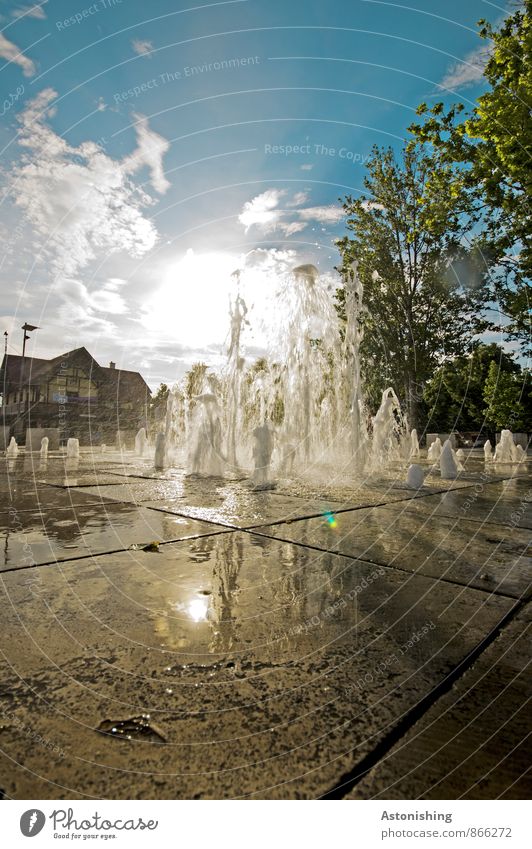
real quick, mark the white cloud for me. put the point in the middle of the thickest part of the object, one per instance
(470, 70)
(322, 214)
(262, 210)
(150, 151)
(142, 48)
(265, 213)
(33, 11)
(11, 52)
(91, 311)
(78, 201)
(290, 228)
(108, 298)
(299, 199)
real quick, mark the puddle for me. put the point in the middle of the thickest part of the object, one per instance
(133, 728)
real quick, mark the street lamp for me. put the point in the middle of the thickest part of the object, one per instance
(27, 328)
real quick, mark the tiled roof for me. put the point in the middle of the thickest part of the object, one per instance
(31, 370)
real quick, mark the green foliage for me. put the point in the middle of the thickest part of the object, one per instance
(455, 396)
(157, 404)
(508, 399)
(422, 289)
(194, 381)
(251, 396)
(493, 146)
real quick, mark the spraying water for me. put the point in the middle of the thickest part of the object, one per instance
(72, 448)
(140, 442)
(44, 448)
(234, 369)
(160, 451)
(300, 410)
(12, 449)
(505, 451)
(448, 464)
(433, 454)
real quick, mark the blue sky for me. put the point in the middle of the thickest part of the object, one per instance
(148, 149)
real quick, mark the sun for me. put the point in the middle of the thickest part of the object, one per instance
(192, 303)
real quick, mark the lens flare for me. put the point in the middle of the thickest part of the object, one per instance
(331, 520)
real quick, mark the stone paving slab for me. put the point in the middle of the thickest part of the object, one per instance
(20, 496)
(267, 669)
(472, 744)
(503, 503)
(50, 535)
(216, 500)
(135, 491)
(489, 557)
(79, 480)
(367, 493)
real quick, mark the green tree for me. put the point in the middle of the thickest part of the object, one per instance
(508, 400)
(158, 403)
(194, 381)
(455, 396)
(493, 145)
(422, 290)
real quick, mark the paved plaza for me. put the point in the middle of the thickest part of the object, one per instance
(170, 637)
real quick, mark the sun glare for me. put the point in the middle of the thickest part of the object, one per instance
(192, 303)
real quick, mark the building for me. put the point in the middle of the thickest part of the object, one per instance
(73, 393)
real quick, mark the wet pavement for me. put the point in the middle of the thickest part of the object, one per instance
(173, 637)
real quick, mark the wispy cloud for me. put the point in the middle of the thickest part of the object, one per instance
(262, 210)
(322, 214)
(468, 71)
(32, 11)
(12, 53)
(299, 199)
(265, 213)
(142, 48)
(150, 151)
(77, 200)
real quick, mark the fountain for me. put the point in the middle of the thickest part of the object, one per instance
(140, 442)
(506, 450)
(415, 476)
(520, 454)
(12, 449)
(205, 448)
(388, 427)
(434, 452)
(235, 365)
(448, 464)
(353, 338)
(487, 450)
(160, 452)
(44, 448)
(262, 453)
(72, 448)
(299, 411)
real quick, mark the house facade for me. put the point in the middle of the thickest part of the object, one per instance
(73, 393)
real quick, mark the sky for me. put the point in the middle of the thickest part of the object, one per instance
(149, 150)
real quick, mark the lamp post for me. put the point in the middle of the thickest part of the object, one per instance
(27, 328)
